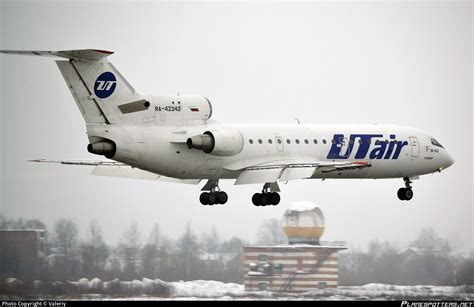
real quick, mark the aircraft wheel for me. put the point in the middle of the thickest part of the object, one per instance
(204, 198)
(256, 199)
(212, 200)
(221, 197)
(401, 193)
(264, 199)
(408, 194)
(274, 198)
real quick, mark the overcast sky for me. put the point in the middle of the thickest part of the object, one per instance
(403, 63)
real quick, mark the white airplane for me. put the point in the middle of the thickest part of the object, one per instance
(173, 138)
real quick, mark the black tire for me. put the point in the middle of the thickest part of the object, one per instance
(274, 198)
(401, 193)
(408, 194)
(221, 197)
(212, 199)
(256, 199)
(264, 199)
(204, 198)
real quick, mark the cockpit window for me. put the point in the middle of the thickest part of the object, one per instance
(436, 143)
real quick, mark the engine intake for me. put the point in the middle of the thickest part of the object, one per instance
(218, 142)
(105, 147)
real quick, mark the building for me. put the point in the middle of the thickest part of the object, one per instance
(304, 264)
(20, 252)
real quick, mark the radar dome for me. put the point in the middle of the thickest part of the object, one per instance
(303, 222)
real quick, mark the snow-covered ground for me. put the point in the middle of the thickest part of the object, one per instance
(147, 289)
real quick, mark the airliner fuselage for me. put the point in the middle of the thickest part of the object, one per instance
(173, 138)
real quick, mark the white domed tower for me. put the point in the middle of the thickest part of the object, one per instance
(303, 222)
(303, 265)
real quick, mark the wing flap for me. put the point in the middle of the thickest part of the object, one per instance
(328, 168)
(286, 172)
(259, 175)
(296, 173)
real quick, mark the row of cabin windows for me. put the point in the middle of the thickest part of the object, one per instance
(288, 141)
(315, 141)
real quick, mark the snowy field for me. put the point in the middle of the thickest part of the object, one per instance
(147, 289)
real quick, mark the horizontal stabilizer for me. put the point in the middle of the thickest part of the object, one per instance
(82, 54)
(124, 171)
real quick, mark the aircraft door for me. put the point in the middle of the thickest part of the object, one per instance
(415, 147)
(279, 143)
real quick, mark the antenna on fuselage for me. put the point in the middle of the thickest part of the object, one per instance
(297, 120)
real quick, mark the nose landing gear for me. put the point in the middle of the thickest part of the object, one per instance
(405, 193)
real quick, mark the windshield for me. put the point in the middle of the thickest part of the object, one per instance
(436, 143)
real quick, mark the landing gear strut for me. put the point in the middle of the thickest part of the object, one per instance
(405, 193)
(269, 196)
(215, 196)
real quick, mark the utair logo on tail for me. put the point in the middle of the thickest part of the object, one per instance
(105, 85)
(384, 149)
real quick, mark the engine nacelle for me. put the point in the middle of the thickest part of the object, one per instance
(104, 147)
(218, 142)
(182, 109)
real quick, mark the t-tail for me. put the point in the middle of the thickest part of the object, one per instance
(99, 89)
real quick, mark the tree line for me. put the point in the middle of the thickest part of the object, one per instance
(428, 259)
(67, 257)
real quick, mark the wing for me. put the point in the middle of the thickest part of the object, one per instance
(119, 170)
(291, 171)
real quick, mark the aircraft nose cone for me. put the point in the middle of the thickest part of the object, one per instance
(449, 160)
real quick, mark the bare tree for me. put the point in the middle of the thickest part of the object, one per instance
(188, 249)
(211, 241)
(429, 242)
(94, 250)
(150, 254)
(130, 248)
(270, 232)
(65, 236)
(154, 238)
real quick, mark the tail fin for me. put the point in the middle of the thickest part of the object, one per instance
(96, 85)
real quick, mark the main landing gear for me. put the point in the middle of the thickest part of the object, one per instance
(215, 196)
(405, 193)
(269, 196)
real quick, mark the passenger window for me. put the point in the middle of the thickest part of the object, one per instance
(288, 141)
(297, 141)
(315, 141)
(279, 141)
(324, 141)
(270, 141)
(251, 141)
(260, 141)
(306, 141)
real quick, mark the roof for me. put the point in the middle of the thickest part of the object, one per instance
(337, 245)
(22, 230)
